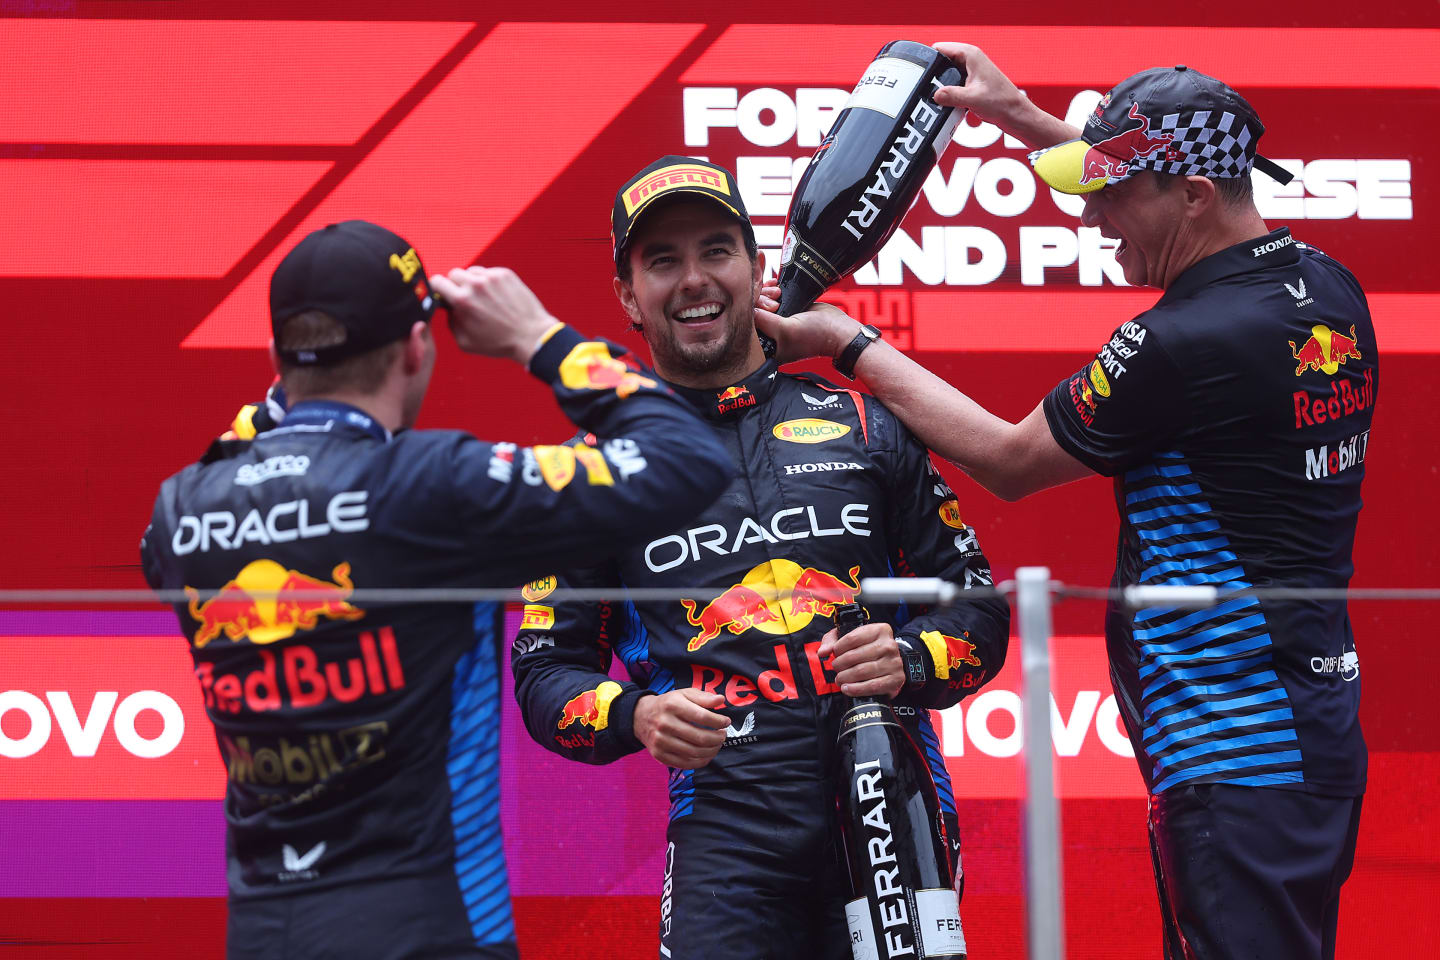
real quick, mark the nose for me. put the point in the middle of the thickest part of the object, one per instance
(693, 276)
(1091, 215)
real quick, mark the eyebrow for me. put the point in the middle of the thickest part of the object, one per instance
(656, 247)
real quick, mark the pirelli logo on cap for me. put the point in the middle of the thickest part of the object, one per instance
(671, 178)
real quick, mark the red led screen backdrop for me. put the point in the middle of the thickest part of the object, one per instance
(159, 160)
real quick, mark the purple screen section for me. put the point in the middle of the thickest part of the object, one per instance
(554, 812)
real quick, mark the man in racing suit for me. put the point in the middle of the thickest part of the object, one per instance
(741, 696)
(360, 739)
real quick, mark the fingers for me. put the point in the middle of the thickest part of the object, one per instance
(697, 707)
(958, 52)
(866, 661)
(873, 668)
(827, 645)
(446, 288)
(680, 729)
(887, 686)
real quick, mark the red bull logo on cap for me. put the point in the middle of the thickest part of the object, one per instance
(591, 708)
(1325, 350)
(589, 366)
(260, 604)
(775, 597)
(1111, 158)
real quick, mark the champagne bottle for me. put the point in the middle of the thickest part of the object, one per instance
(867, 171)
(905, 903)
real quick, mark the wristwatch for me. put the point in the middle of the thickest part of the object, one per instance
(845, 363)
(914, 661)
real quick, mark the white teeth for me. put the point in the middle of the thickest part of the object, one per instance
(704, 310)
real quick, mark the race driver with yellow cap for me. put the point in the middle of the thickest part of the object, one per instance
(1234, 416)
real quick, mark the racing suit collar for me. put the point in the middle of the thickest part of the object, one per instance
(324, 415)
(724, 403)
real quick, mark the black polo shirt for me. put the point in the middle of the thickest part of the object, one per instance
(1234, 416)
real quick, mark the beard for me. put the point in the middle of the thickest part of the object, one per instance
(727, 352)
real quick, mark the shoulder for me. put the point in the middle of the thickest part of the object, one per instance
(1317, 260)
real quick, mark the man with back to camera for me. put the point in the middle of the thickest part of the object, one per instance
(740, 696)
(361, 740)
(1234, 416)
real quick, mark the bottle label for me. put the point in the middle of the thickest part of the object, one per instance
(787, 250)
(886, 85)
(938, 912)
(862, 930)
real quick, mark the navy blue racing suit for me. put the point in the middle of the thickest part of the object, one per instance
(360, 739)
(833, 488)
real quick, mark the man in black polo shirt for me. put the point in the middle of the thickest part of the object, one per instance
(1234, 416)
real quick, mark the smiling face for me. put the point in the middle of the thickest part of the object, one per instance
(692, 289)
(1146, 214)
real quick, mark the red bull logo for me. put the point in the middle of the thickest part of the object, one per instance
(261, 604)
(734, 398)
(950, 515)
(1112, 157)
(817, 592)
(775, 597)
(1325, 350)
(951, 655)
(591, 708)
(589, 366)
(737, 609)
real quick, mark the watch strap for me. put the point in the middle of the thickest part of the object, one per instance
(845, 363)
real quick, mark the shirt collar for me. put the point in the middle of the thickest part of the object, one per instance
(723, 403)
(319, 416)
(1274, 249)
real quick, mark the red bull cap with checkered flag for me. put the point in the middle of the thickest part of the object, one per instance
(1168, 119)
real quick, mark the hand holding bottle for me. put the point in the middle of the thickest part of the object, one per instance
(866, 661)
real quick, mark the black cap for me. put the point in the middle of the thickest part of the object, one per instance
(667, 177)
(361, 274)
(1169, 119)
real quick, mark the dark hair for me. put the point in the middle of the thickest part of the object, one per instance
(1232, 191)
(312, 329)
(1235, 191)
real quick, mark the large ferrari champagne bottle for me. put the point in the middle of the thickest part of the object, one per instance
(905, 903)
(867, 171)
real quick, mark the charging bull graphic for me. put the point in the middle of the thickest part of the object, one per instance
(739, 608)
(1325, 350)
(591, 708)
(951, 654)
(267, 602)
(775, 597)
(1113, 157)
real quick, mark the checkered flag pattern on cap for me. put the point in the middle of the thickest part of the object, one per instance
(1209, 143)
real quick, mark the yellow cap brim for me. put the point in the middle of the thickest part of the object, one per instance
(1061, 167)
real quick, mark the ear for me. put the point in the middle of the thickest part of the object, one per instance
(417, 347)
(626, 295)
(758, 272)
(1200, 196)
(274, 357)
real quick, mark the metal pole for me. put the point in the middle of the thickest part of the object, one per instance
(1044, 904)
